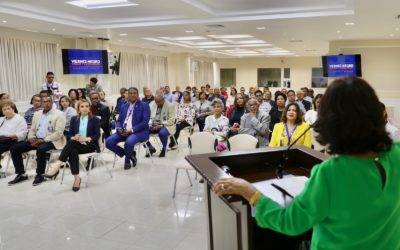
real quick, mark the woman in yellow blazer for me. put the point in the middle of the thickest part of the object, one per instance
(290, 128)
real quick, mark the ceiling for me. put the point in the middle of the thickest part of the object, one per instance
(223, 28)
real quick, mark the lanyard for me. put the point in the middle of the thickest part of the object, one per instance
(290, 134)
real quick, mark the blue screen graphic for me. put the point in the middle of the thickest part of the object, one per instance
(85, 61)
(338, 66)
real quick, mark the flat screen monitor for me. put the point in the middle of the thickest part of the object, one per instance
(341, 65)
(78, 61)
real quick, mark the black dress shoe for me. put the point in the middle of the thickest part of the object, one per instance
(162, 153)
(127, 166)
(38, 180)
(134, 160)
(19, 178)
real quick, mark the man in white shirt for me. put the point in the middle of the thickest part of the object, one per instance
(53, 88)
(264, 106)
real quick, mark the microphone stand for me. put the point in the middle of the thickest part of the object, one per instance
(285, 156)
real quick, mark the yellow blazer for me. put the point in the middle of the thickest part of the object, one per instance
(278, 135)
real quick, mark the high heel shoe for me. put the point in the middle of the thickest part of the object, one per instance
(54, 176)
(76, 189)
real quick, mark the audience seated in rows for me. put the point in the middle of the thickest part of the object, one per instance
(132, 128)
(46, 133)
(291, 128)
(84, 133)
(255, 123)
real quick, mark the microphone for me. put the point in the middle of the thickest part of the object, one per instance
(285, 156)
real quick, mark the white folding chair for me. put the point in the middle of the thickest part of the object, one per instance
(137, 146)
(242, 142)
(199, 143)
(94, 156)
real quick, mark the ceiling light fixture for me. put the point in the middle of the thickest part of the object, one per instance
(338, 31)
(4, 21)
(189, 31)
(123, 34)
(260, 28)
(101, 4)
(349, 24)
(53, 29)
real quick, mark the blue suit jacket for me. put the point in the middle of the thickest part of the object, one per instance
(93, 130)
(140, 119)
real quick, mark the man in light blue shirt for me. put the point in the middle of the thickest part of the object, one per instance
(168, 95)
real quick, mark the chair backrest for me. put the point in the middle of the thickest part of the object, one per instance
(202, 143)
(242, 142)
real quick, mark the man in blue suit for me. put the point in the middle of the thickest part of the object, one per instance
(132, 127)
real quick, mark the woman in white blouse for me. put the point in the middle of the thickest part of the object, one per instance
(217, 124)
(13, 127)
(184, 117)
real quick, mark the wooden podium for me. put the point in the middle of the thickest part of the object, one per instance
(230, 222)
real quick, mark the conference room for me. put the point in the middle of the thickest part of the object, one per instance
(186, 124)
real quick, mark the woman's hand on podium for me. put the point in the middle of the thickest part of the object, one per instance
(236, 186)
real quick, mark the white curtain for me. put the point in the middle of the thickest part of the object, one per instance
(23, 66)
(138, 71)
(201, 73)
(157, 72)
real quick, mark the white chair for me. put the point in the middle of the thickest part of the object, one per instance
(138, 146)
(199, 143)
(242, 142)
(94, 156)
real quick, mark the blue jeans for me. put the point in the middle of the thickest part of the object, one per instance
(130, 141)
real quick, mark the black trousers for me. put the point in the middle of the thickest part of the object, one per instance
(22, 147)
(201, 122)
(179, 127)
(71, 153)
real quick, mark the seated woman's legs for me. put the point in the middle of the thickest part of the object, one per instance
(179, 127)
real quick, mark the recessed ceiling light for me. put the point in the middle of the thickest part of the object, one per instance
(4, 21)
(340, 37)
(101, 4)
(119, 40)
(90, 35)
(260, 28)
(391, 35)
(53, 29)
(349, 24)
(338, 31)
(123, 34)
(189, 31)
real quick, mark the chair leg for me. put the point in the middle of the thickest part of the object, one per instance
(27, 161)
(100, 157)
(63, 171)
(148, 152)
(176, 178)
(115, 160)
(190, 180)
(7, 165)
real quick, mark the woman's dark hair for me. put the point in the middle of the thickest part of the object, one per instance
(280, 94)
(299, 118)
(93, 80)
(2, 94)
(236, 105)
(83, 93)
(75, 91)
(202, 93)
(350, 119)
(67, 99)
(33, 97)
(233, 89)
(319, 96)
(188, 93)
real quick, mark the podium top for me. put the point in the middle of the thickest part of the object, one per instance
(257, 164)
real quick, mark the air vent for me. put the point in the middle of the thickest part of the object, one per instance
(216, 26)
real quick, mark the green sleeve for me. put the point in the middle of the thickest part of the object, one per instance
(306, 210)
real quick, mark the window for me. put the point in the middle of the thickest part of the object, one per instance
(228, 77)
(317, 78)
(273, 77)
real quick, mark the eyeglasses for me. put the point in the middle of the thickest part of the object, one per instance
(258, 95)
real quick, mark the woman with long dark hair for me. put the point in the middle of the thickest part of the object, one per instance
(351, 200)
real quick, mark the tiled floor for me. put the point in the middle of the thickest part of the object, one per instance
(133, 210)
